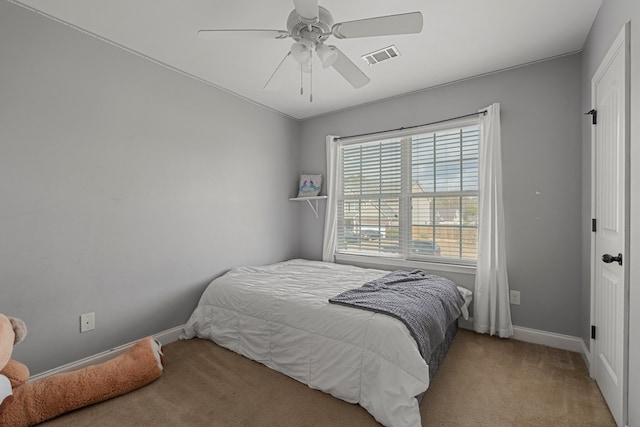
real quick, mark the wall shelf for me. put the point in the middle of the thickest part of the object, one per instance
(308, 200)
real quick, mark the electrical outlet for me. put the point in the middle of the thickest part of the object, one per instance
(87, 322)
(514, 297)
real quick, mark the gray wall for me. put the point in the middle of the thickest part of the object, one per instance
(610, 19)
(125, 188)
(541, 118)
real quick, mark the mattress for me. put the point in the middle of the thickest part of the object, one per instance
(279, 315)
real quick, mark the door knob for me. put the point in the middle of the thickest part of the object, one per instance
(610, 258)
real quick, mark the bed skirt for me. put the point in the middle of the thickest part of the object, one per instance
(438, 354)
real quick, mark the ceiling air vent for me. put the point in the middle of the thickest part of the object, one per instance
(381, 55)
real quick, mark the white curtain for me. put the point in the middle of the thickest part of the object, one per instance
(331, 212)
(492, 313)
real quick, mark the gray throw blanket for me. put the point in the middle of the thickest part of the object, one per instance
(425, 303)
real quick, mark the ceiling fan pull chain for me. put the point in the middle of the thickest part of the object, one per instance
(301, 91)
(311, 79)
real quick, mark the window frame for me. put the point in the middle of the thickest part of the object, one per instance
(404, 259)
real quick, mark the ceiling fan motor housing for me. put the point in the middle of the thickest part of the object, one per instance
(316, 32)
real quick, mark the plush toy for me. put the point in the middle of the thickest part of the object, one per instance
(12, 373)
(26, 403)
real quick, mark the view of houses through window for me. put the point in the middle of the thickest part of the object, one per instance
(413, 197)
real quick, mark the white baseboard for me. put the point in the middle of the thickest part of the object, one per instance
(586, 356)
(465, 324)
(551, 339)
(164, 337)
(536, 336)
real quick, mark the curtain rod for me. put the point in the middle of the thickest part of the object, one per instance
(412, 127)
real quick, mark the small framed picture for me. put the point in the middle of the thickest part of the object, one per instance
(310, 185)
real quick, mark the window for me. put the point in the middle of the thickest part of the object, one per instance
(411, 196)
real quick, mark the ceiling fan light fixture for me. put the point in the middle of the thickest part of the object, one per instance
(327, 55)
(301, 51)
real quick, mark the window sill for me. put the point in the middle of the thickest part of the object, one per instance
(385, 263)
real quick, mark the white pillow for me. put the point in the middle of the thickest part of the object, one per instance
(467, 295)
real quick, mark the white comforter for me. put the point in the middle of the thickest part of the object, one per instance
(279, 315)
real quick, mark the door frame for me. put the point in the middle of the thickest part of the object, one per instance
(622, 41)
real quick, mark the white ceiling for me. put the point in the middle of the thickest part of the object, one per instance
(460, 39)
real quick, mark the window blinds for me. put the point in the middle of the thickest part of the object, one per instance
(412, 196)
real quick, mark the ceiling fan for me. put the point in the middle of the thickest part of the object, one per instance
(310, 25)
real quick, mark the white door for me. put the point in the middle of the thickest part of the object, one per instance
(609, 243)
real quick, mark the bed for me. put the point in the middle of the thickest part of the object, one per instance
(279, 315)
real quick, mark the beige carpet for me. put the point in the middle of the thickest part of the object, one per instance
(483, 381)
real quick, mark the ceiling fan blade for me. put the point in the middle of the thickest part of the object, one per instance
(242, 34)
(274, 82)
(307, 9)
(349, 70)
(405, 23)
